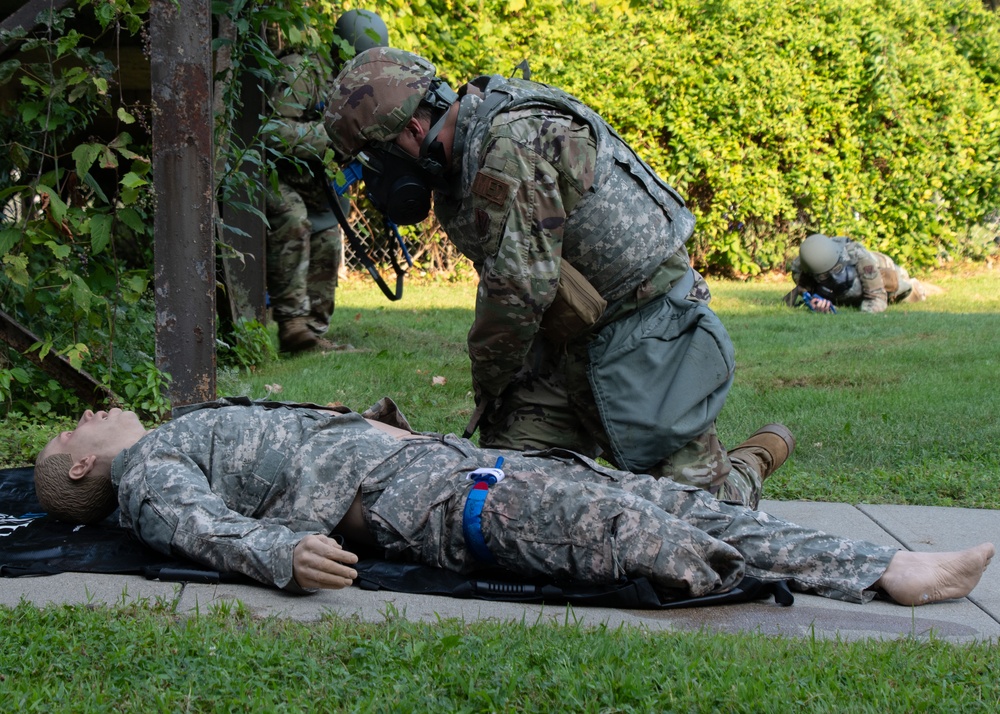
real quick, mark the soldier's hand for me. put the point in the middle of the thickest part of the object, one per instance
(820, 305)
(318, 561)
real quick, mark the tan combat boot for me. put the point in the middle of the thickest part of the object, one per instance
(295, 336)
(769, 447)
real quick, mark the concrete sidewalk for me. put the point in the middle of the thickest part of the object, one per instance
(917, 528)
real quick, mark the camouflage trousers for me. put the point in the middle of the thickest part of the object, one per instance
(302, 266)
(551, 405)
(562, 516)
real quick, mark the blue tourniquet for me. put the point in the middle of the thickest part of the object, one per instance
(472, 527)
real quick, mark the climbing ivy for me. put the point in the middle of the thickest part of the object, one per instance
(76, 228)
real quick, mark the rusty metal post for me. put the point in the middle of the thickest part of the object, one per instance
(183, 175)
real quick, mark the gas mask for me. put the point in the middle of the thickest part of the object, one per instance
(399, 185)
(837, 282)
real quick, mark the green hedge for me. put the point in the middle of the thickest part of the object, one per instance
(874, 119)
(877, 120)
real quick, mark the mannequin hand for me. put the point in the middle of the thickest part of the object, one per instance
(318, 561)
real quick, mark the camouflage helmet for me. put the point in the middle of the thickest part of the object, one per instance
(819, 253)
(373, 97)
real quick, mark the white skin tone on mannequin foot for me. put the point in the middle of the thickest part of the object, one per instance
(923, 578)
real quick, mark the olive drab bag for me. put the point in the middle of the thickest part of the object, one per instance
(660, 376)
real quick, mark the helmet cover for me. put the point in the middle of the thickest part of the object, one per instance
(819, 253)
(373, 97)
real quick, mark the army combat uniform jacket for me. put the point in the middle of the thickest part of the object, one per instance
(297, 102)
(236, 486)
(545, 182)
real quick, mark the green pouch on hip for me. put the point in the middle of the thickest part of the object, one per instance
(660, 376)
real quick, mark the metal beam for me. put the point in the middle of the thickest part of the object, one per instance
(183, 176)
(89, 391)
(25, 17)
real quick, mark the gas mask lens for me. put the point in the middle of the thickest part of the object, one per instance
(831, 275)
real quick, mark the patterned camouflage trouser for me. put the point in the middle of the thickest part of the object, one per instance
(563, 516)
(552, 406)
(302, 266)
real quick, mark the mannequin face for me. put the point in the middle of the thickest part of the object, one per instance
(98, 437)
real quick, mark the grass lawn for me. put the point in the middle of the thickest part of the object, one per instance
(894, 408)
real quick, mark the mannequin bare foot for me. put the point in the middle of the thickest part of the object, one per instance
(922, 578)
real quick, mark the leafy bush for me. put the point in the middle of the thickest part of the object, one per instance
(69, 204)
(877, 120)
(76, 227)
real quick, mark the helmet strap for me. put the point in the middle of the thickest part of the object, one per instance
(440, 98)
(432, 156)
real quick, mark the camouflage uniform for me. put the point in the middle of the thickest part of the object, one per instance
(302, 263)
(877, 281)
(544, 183)
(238, 486)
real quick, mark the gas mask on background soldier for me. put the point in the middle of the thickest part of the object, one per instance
(836, 282)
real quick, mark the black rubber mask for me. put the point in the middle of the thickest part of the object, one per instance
(837, 282)
(398, 187)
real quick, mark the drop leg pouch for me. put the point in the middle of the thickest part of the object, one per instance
(660, 376)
